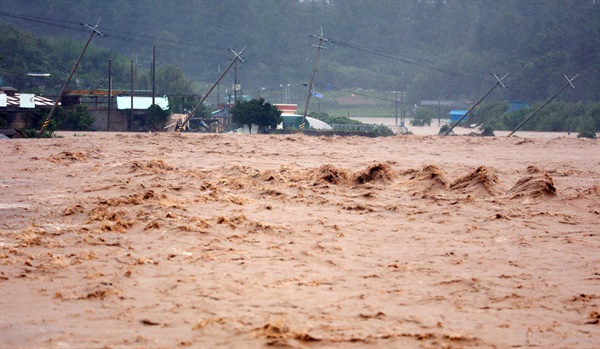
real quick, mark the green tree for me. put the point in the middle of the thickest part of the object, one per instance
(329, 119)
(489, 114)
(156, 118)
(74, 119)
(593, 113)
(422, 117)
(258, 112)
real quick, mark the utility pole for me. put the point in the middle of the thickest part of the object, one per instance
(402, 89)
(439, 109)
(569, 82)
(235, 86)
(401, 107)
(499, 82)
(131, 106)
(153, 73)
(109, 94)
(396, 102)
(62, 91)
(237, 56)
(312, 76)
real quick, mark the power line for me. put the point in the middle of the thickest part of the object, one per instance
(39, 20)
(408, 60)
(126, 36)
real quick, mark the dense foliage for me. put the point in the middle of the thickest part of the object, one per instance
(352, 127)
(76, 118)
(422, 117)
(557, 116)
(24, 53)
(429, 48)
(156, 118)
(256, 111)
(331, 120)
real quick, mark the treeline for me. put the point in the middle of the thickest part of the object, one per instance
(554, 117)
(22, 53)
(429, 48)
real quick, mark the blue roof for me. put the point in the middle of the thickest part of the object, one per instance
(455, 115)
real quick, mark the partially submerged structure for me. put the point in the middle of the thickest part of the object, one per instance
(291, 120)
(16, 108)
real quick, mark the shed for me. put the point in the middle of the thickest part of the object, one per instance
(455, 115)
(292, 121)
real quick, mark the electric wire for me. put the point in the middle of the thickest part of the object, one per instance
(410, 61)
(120, 35)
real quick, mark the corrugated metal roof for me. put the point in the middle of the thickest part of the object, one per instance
(124, 102)
(24, 100)
(318, 124)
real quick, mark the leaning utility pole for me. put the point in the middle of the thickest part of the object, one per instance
(237, 56)
(312, 76)
(569, 82)
(62, 92)
(479, 101)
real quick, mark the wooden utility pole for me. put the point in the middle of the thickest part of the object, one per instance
(131, 106)
(153, 73)
(569, 82)
(312, 76)
(187, 119)
(396, 102)
(235, 84)
(109, 94)
(64, 88)
(401, 107)
(499, 82)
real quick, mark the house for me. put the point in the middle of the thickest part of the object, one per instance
(139, 109)
(15, 107)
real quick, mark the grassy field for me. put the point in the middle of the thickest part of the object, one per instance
(341, 103)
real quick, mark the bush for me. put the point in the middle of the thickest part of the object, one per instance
(487, 132)
(4, 120)
(75, 119)
(587, 130)
(382, 131)
(488, 113)
(156, 118)
(333, 119)
(422, 117)
(587, 134)
(444, 129)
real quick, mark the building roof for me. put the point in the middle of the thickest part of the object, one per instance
(124, 102)
(24, 100)
(287, 108)
(318, 124)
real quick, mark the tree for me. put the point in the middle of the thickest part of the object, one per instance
(333, 119)
(258, 112)
(422, 117)
(74, 119)
(156, 117)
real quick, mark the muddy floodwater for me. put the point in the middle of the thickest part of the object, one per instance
(161, 240)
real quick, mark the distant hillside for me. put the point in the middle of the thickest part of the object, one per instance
(430, 49)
